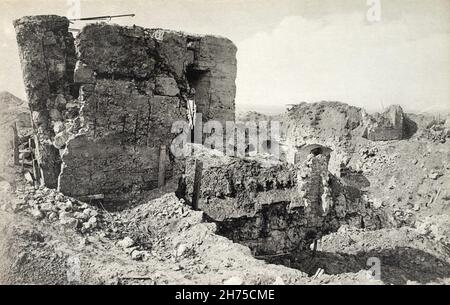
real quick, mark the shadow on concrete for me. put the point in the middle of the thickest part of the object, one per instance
(409, 127)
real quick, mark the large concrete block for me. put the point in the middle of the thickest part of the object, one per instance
(117, 91)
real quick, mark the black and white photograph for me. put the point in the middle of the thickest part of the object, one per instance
(225, 143)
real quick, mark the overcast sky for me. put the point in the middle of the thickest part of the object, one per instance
(292, 50)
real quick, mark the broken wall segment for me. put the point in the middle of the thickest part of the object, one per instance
(47, 54)
(386, 126)
(338, 128)
(104, 104)
(271, 206)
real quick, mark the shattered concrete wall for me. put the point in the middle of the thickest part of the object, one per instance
(272, 206)
(338, 128)
(386, 126)
(104, 103)
(47, 54)
(334, 126)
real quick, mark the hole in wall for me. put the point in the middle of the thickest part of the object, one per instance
(199, 81)
(315, 149)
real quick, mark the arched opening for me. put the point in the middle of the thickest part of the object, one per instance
(315, 149)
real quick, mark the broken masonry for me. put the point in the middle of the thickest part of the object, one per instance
(102, 107)
(103, 103)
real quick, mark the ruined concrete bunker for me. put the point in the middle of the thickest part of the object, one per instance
(102, 107)
(103, 103)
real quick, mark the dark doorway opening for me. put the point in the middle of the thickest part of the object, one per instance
(199, 80)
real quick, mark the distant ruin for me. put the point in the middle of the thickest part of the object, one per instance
(386, 126)
(103, 103)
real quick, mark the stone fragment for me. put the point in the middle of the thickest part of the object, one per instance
(166, 86)
(66, 220)
(278, 281)
(126, 242)
(37, 118)
(47, 207)
(137, 255)
(55, 115)
(435, 175)
(234, 281)
(65, 205)
(181, 250)
(61, 139)
(37, 214)
(58, 127)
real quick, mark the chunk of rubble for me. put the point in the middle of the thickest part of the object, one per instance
(127, 242)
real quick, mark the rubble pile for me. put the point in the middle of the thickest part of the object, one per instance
(48, 205)
(437, 131)
(148, 229)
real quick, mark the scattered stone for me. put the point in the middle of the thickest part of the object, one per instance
(81, 216)
(67, 221)
(65, 206)
(47, 207)
(58, 127)
(234, 281)
(278, 281)
(53, 216)
(61, 139)
(29, 177)
(126, 242)
(130, 249)
(435, 175)
(137, 255)
(59, 197)
(90, 212)
(91, 223)
(37, 214)
(181, 250)
(55, 115)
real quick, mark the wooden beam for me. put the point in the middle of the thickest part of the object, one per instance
(15, 144)
(162, 166)
(36, 174)
(197, 184)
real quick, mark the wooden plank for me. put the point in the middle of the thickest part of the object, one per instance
(197, 184)
(162, 166)
(34, 146)
(89, 198)
(15, 144)
(36, 174)
(314, 248)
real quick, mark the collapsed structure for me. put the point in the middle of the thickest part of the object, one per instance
(272, 206)
(103, 104)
